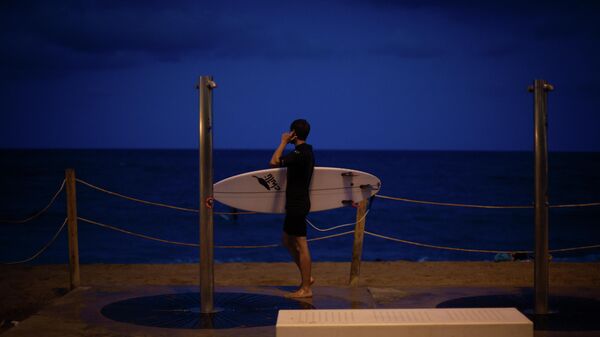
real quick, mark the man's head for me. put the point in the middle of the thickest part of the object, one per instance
(301, 128)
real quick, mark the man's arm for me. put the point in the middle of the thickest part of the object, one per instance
(286, 137)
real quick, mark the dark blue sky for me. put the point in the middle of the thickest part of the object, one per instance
(367, 74)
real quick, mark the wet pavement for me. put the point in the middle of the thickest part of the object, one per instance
(251, 311)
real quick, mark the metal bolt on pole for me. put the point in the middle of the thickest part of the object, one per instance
(207, 279)
(540, 90)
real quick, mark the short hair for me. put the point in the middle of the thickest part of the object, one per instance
(301, 127)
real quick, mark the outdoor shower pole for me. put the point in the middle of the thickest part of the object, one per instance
(207, 278)
(540, 90)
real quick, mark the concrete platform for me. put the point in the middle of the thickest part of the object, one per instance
(79, 312)
(470, 322)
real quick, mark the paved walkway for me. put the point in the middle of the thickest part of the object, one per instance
(79, 313)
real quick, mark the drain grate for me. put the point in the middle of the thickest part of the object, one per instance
(182, 311)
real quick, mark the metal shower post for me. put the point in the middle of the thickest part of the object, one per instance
(540, 89)
(207, 278)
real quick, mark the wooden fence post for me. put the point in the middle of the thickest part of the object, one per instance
(359, 234)
(72, 226)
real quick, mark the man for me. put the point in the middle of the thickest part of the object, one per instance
(300, 164)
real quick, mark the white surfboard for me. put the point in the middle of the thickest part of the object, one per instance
(264, 191)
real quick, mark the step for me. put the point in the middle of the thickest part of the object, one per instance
(463, 322)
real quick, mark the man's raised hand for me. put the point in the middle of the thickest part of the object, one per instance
(288, 137)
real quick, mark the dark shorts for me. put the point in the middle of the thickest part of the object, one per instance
(295, 224)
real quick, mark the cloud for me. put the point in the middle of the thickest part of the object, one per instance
(63, 35)
(509, 26)
(52, 37)
(27, 55)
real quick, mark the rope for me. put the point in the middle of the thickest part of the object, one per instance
(444, 247)
(336, 227)
(42, 211)
(330, 236)
(591, 204)
(483, 206)
(193, 210)
(43, 249)
(136, 199)
(469, 250)
(573, 249)
(277, 245)
(449, 204)
(187, 244)
(143, 236)
(159, 204)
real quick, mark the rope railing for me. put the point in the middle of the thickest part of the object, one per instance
(352, 224)
(153, 203)
(591, 204)
(414, 243)
(572, 249)
(426, 202)
(44, 248)
(143, 236)
(277, 244)
(437, 203)
(373, 234)
(385, 237)
(472, 250)
(188, 244)
(330, 236)
(40, 212)
(338, 226)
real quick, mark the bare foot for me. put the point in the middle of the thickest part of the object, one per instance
(300, 293)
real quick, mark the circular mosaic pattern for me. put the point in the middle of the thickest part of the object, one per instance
(182, 311)
(566, 313)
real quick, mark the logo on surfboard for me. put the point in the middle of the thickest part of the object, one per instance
(269, 182)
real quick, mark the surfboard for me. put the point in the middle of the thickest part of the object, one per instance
(264, 190)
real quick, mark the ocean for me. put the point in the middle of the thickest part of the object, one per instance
(28, 178)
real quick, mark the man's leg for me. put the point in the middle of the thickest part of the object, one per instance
(305, 266)
(290, 244)
(305, 261)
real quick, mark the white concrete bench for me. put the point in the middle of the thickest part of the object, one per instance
(471, 322)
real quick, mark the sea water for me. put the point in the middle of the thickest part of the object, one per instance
(28, 178)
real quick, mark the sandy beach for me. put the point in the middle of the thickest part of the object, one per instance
(26, 289)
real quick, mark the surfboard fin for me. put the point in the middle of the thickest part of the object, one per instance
(368, 186)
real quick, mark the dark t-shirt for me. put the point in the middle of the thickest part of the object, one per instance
(300, 164)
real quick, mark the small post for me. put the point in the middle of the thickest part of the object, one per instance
(359, 234)
(72, 226)
(207, 278)
(540, 89)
